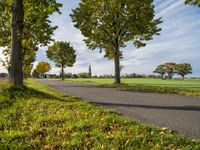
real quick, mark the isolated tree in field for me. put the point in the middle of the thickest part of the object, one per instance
(170, 69)
(193, 2)
(160, 70)
(43, 67)
(90, 71)
(62, 54)
(110, 24)
(183, 69)
(31, 28)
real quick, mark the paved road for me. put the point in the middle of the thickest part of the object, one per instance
(179, 113)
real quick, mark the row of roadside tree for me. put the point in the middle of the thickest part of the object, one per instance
(24, 29)
(171, 68)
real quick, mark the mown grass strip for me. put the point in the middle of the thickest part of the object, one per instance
(189, 87)
(154, 89)
(38, 117)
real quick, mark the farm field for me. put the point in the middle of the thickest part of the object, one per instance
(187, 87)
(38, 117)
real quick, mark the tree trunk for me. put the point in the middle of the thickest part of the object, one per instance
(17, 31)
(162, 76)
(183, 78)
(117, 70)
(62, 73)
(117, 63)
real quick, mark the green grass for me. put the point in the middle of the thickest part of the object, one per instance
(188, 87)
(38, 117)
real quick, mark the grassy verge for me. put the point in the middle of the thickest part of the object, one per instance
(154, 89)
(39, 117)
(190, 87)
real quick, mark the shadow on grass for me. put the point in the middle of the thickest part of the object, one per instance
(10, 94)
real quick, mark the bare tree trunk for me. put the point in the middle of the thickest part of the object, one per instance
(17, 31)
(117, 70)
(62, 73)
(183, 77)
(117, 62)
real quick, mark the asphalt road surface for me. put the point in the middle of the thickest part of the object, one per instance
(178, 113)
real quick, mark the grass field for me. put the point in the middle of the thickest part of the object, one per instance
(188, 87)
(38, 117)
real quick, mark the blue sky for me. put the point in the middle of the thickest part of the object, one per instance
(179, 42)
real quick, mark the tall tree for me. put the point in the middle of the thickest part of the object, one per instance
(17, 27)
(37, 28)
(170, 69)
(43, 67)
(183, 69)
(62, 54)
(160, 70)
(110, 24)
(193, 2)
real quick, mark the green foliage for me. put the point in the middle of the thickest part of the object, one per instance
(43, 121)
(37, 30)
(37, 26)
(160, 70)
(83, 75)
(62, 54)
(109, 25)
(102, 22)
(27, 71)
(193, 2)
(170, 69)
(43, 67)
(183, 69)
(35, 74)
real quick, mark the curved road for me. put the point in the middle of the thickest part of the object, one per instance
(178, 113)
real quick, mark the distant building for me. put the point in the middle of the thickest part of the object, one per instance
(90, 71)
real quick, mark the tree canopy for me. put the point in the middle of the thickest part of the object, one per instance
(43, 67)
(62, 54)
(193, 2)
(108, 25)
(35, 29)
(160, 70)
(183, 69)
(171, 68)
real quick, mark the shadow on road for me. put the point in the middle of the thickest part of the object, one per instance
(184, 108)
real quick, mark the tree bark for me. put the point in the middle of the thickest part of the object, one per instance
(117, 70)
(62, 73)
(117, 62)
(16, 53)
